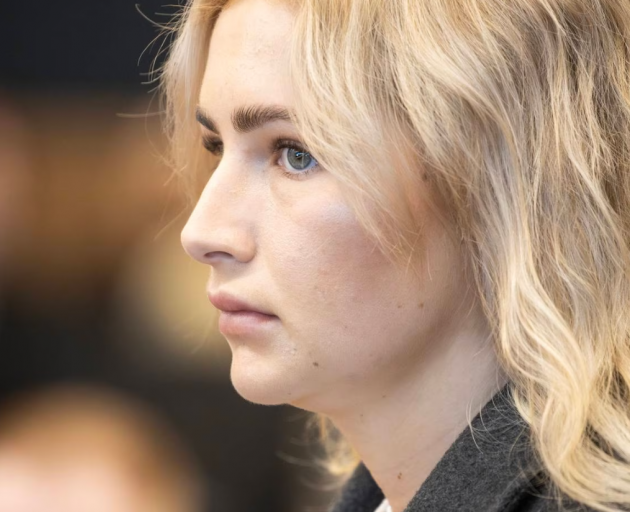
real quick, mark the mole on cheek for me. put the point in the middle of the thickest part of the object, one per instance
(315, 363)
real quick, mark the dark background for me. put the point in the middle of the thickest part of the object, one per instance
(79, 46)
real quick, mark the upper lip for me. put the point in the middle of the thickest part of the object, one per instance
(226, 302)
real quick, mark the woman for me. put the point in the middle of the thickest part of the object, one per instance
(417, 223)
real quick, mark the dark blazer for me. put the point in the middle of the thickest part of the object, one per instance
(489, 468)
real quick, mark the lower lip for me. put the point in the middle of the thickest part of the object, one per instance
(243, 323)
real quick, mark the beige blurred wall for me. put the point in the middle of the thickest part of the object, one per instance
(101, 213)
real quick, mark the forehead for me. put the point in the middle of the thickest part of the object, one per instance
(249, 54)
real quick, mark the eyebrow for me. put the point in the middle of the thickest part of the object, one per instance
(246, 119)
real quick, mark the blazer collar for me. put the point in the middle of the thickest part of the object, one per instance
(489, 464)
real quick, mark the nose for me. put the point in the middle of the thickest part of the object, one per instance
(221, 228)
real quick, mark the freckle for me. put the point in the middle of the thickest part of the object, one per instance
(399, 306)
(399, 476)
(384, 396)
(315, 363)
(421, 305)
(425, 176)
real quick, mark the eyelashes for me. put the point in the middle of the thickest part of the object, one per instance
(212, 144)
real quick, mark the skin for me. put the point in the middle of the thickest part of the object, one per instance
(398, 360)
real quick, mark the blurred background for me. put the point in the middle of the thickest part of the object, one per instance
(114, 382)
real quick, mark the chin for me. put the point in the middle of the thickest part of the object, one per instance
(259, 383)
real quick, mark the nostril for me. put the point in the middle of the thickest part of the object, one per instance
(217, 256)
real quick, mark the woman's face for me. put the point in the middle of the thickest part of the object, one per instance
(349, 325)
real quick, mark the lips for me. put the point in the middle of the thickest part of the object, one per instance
(241, 319)
(230, 304)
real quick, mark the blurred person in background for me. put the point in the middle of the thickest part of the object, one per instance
(75, 448)
(417, 218)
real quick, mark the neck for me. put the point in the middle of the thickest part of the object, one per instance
(402, 433)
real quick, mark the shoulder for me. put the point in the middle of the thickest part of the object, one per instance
(547, 504)
(534, 495)
(490, 468)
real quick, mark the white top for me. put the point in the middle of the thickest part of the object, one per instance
(384, 507)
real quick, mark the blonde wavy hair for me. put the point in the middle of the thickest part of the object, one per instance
(518, 116)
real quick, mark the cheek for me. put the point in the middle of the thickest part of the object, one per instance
(343, 304)
(317, 252)
(332, 286)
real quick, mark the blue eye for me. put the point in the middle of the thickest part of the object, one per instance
(296, 160)
(299, 160)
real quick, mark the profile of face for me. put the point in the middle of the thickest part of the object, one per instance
(347, 324)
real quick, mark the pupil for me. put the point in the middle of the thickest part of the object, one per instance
(298, 159)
